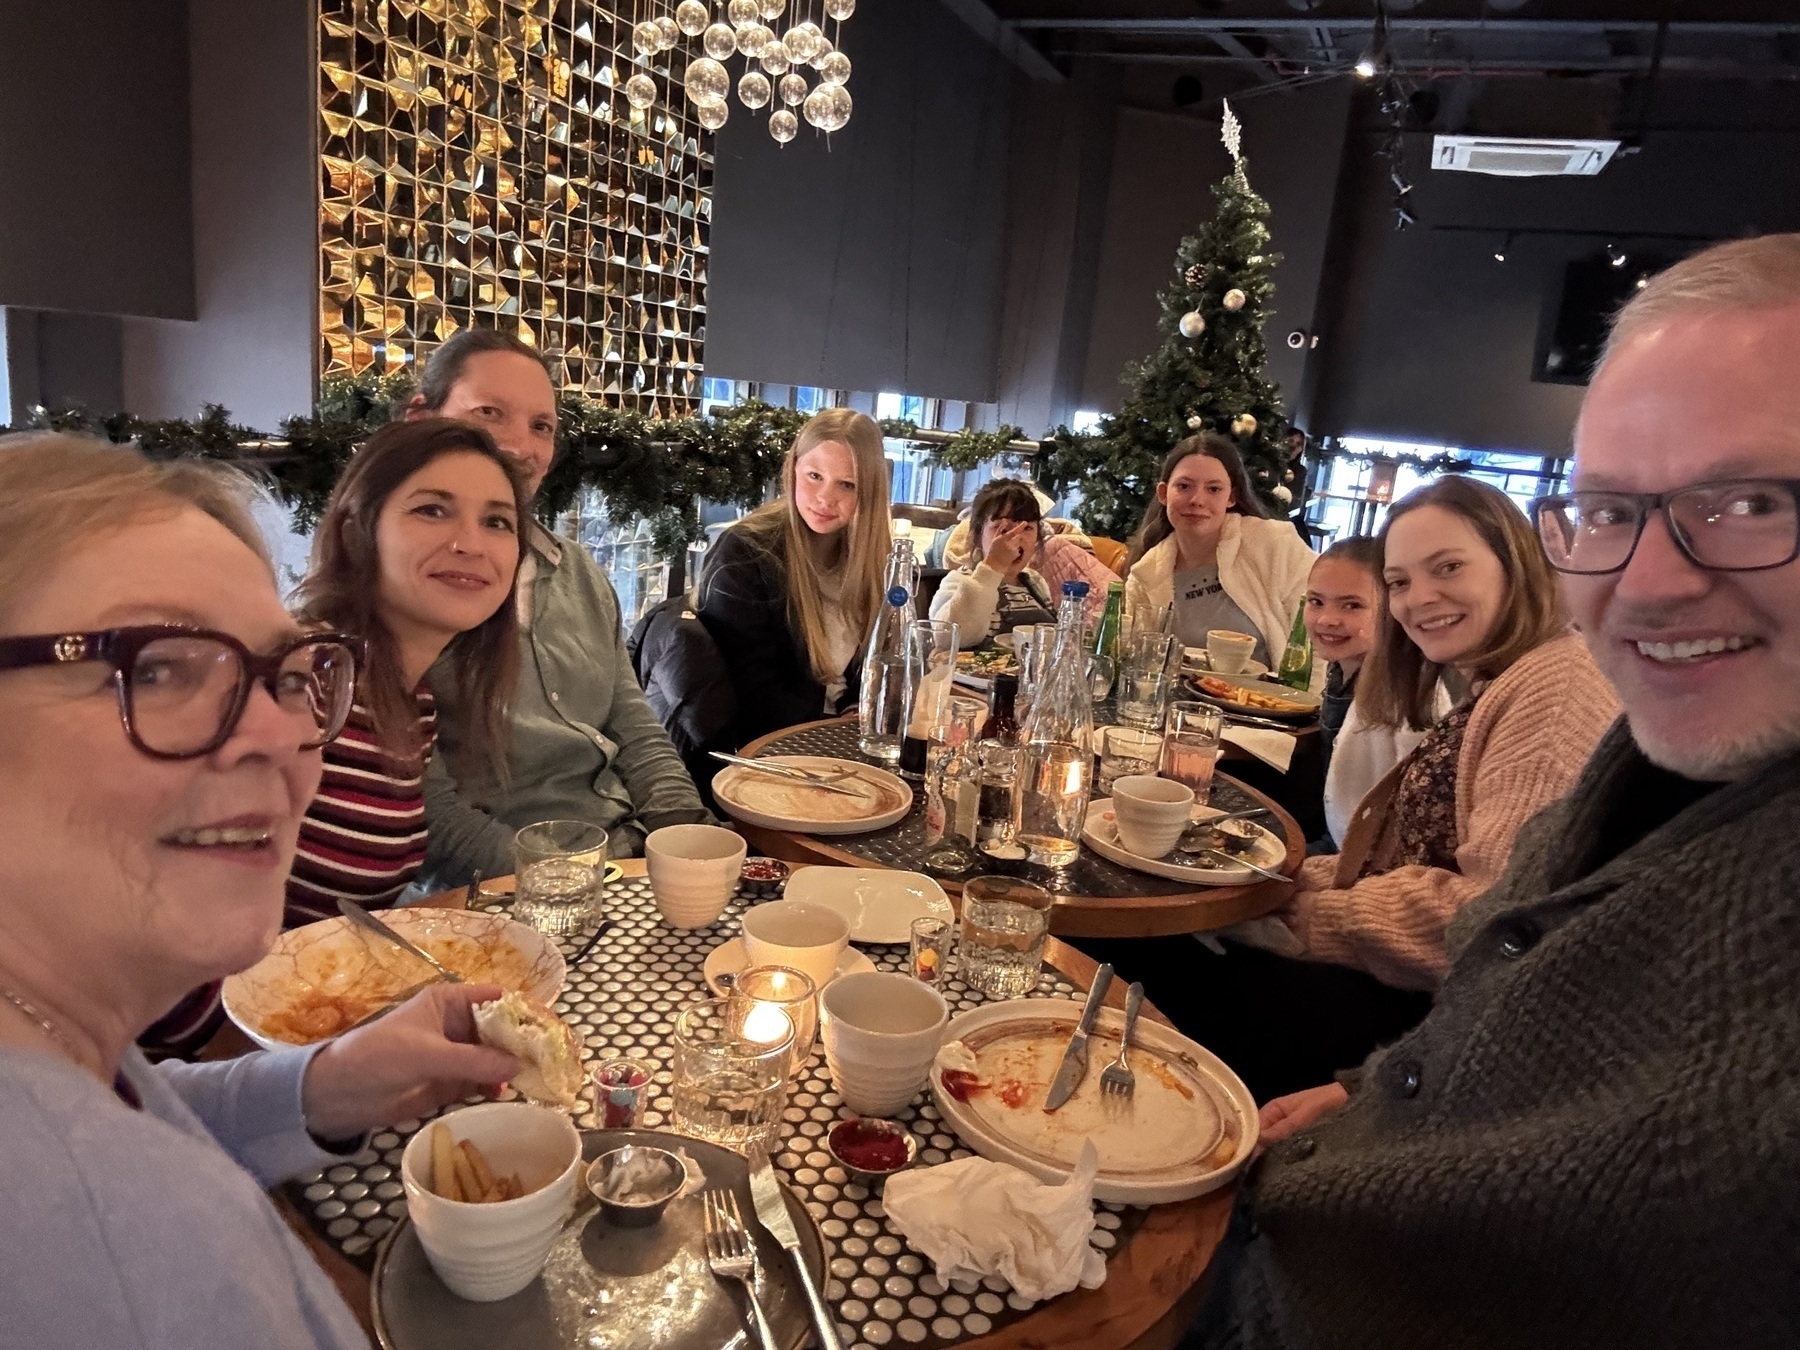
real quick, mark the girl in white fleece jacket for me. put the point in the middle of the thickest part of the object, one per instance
(998, 591)
(1206, 548)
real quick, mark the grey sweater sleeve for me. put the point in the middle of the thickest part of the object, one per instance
(463, 837)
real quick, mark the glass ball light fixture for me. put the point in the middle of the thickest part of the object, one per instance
(773, 74)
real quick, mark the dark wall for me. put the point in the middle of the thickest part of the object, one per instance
(94, 156)
(1433, 340)
(255, 224)
(874, 261)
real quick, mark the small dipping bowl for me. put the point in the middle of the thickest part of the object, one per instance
(763, 878)
(663, 1176)
(1236, 836)
(866, 1138)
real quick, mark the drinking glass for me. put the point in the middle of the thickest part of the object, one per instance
(1144, 678)
(1125, 751)
(1004, 927)
(1190, 746)
(731, 1072)
(930, 949)
(784, 989)
(1034, 663)
(561, 870)
(930, 666)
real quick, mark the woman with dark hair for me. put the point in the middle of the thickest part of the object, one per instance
(1207, 555)
(416, 551)
(1000, 590)
(791, 591)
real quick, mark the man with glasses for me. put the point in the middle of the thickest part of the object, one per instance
(1594, 1138)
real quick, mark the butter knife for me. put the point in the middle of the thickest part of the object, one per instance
(361, 917)
(772, 1213)
(1074, 1060)
(783, 771)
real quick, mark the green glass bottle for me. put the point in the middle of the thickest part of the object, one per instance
(1106, 636)
(1296, 666)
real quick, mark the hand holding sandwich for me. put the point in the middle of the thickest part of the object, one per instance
(419, 1057)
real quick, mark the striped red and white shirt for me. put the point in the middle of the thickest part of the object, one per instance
(363, 837)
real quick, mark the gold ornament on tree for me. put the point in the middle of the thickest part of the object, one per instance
(1193, 324)
(1243, 425)
(1234, 299)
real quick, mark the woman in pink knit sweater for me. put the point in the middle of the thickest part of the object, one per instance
(1470, 598)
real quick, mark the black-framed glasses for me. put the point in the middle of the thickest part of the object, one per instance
(182, 691)
(1741, 525)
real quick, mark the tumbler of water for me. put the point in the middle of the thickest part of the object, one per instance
(1004, 927)
(731, 1072)
(1144, 678)
(560, 866)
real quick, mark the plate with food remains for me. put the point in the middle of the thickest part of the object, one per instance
(321, 979)
(1100, 832)
(876, 798)
(1258, 697)
(977, 668)
(1187, 1128)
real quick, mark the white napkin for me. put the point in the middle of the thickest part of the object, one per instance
(975, 1218)
(1274, 748)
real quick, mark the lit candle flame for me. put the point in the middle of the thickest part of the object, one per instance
(766, 1023)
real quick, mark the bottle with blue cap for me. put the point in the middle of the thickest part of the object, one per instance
(1056, 768)
(883, 705)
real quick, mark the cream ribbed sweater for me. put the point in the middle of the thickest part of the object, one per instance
(1528, 738)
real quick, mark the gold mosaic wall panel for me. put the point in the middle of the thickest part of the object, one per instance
(479, 164)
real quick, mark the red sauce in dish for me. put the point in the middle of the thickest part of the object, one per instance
(764, 869)
(869, 1147)
(1013, 1092)
(961, 1084)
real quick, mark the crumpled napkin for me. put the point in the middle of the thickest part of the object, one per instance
(1274, 748)
(974, 1218)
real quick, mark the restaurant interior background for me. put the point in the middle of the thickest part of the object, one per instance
(203, 207)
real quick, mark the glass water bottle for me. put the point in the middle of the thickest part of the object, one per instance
(1056, 760)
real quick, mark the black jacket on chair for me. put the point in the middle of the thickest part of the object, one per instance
(685, 684)
(743, 603)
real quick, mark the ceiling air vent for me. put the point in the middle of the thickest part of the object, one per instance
(1510, 157)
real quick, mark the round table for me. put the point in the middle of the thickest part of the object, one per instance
(1098, 898)
(1153, 1283)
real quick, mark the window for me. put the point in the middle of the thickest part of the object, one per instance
(1085, 421)
(810, 399)
(907, 407)
(1353, 496)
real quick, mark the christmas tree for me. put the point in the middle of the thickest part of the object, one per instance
(1206, 376)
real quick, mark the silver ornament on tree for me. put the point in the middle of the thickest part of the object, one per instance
(1195, 422)
(1193, 324)
(1234, 300)
(1283, 495)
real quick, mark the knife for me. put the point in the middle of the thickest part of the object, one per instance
(772, 1211)
(783, 771)
(360, 916)
(1074, 1060)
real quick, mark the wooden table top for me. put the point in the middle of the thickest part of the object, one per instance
(1153, 1282)
(1202, 910)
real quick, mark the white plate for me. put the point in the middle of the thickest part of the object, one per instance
(766, 800)
(1100, 832)
(728, 958)
(1308, 701)
(878, 904)
(1188, 1128)
(1195, 658)
(319, 978)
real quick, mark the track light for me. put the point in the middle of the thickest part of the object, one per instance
(1401, 186)
(1615, 255)
(1403, 217)
(1505, 248)
(1374, 59)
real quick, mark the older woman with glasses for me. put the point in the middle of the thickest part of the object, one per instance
(163, 719)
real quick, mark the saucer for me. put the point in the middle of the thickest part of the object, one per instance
(728, 958)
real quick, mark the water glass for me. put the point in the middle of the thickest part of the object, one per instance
(999, 773)
(1005, 924)
(1190, 746)
(783, 989)
(1125, 751)
(1034, 663)
(930, 950)
(1144, 678)
(731, 1073)
(560, 867)
(930, 667)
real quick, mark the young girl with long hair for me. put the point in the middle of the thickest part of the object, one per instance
(1207, 555)
(791, 591)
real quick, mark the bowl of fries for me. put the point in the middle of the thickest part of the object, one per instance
(489, 1189)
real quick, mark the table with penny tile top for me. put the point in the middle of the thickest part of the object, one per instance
(623, 1000)
(1094, 898)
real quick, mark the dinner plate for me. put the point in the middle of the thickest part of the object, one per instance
(1309, 701)
(1188, 1127)
(767, 800)
(877, 903)
(728, 958)
(622, 1288)
(320, 978)
(1101, 833)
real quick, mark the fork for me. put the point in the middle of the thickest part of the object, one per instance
(1118, 1080)
(731, 1256)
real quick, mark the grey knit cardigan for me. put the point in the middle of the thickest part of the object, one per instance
(1594, 1138)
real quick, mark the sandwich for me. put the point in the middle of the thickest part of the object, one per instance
(541, 1041)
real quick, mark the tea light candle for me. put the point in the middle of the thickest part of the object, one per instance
(775, 990)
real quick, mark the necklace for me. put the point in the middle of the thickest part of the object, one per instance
(48, 1027)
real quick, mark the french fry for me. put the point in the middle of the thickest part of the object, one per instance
(484, 1175)
(465, 1177)
(443, 1164)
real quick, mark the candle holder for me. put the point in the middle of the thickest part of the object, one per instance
(760, 990)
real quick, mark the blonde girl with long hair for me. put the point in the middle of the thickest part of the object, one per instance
(791, 591)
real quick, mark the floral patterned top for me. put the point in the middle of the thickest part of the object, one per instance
(1425, 802)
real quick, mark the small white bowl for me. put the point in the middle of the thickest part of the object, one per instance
(693, 872)
(1152, 812)
(487, 1252)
